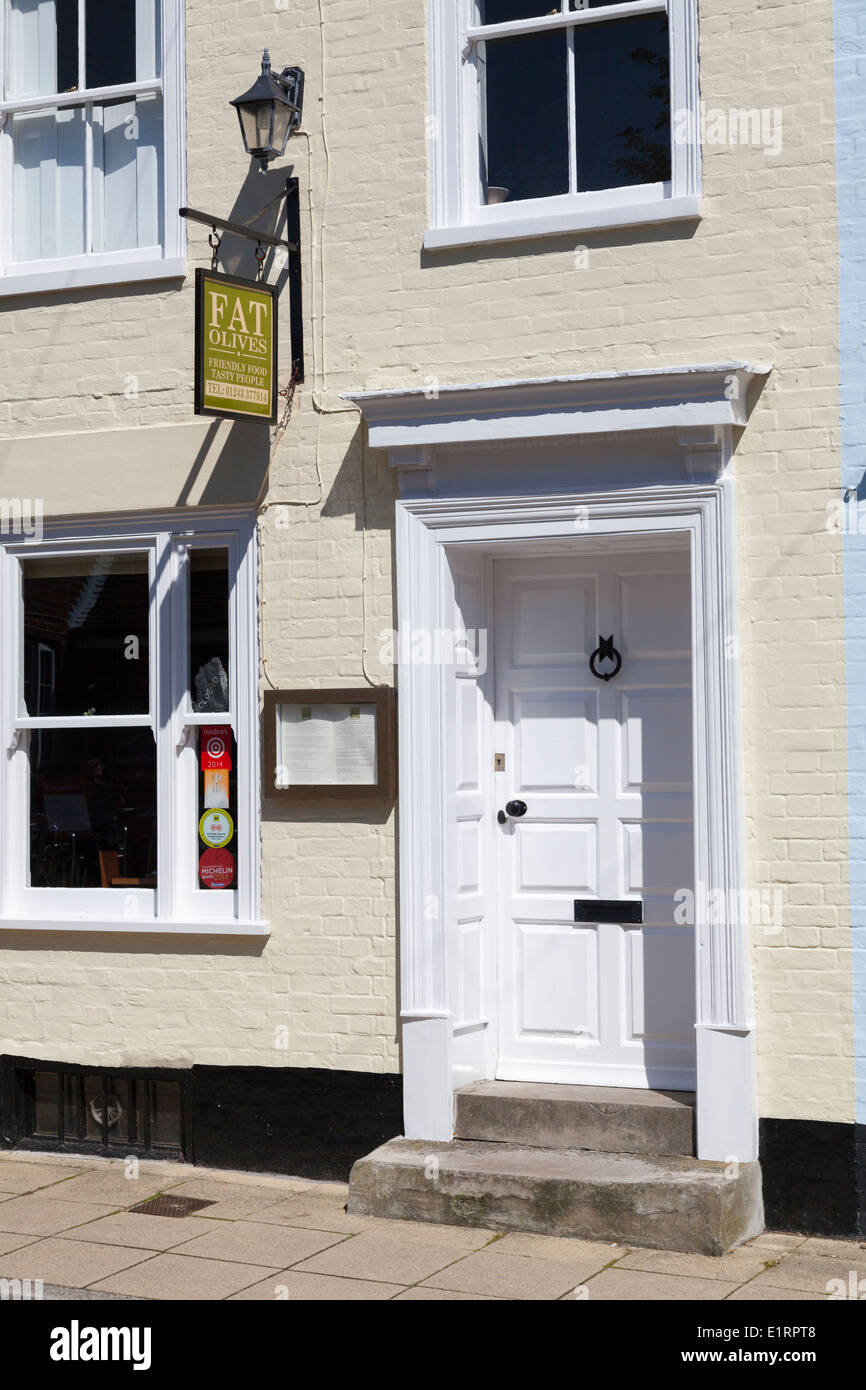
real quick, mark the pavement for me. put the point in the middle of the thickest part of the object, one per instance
(67, 1221)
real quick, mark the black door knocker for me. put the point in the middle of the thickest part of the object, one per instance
(605, 651)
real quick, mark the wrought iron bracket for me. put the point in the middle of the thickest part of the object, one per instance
(290, 243)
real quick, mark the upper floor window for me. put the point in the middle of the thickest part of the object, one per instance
(552, 118)
(89, 149)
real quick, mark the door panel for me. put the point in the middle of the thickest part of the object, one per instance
(605, 769)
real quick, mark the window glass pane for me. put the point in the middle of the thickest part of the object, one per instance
(165, 1115)
(46, 1102)
(504, 11)
(524, 107)
(86, 635)
(595, 4)
(127, 174)
(623, 103)
(72, 1106)
(109, 42)
(217, 808)
(209, 630)
(106, 1105)
(43, 47)
(48, 184)
(148, 38)
(93, 811)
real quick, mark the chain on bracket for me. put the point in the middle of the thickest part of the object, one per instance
(214, 241)
(261, 256)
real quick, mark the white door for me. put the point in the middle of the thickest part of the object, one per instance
(604, 769)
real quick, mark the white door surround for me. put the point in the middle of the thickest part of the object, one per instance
(687, 416)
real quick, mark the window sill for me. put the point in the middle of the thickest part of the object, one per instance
(561, 223)
(78, 277)
(229, 926)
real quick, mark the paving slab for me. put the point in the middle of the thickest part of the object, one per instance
(383, 1257)
(634, 1285)
(112, 1189)
(516, 1276)
(30, 1177)
(144, 1232)
(243, 1242)
(423, 1294)
(556, 1248)
(813, 1273)
(842, 1249)
(72, 1262)
(14, 1242)
(738, 1266)
(315, 1215)
(38, 1215)
(232, 1201)
(173, 1277)
(780, 1242)
(764, 1293)
(292, 1287)
(56, 1293)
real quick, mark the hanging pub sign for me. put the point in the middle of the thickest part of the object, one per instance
(235, 347)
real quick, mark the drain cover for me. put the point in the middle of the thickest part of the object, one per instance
(170, 1206)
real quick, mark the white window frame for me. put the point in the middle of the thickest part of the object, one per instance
(103, 267)
(456, 216)
(178, 905)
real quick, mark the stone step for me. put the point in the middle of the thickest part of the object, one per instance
(667, 1203)
(603, 1118)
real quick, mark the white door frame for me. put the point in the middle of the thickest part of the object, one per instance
(726, 1086)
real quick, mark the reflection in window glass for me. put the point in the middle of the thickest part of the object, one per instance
(46, 1103)
(43, 47)
(165, 1115)
(109, 55)
(86, 635)
(106, 1108)
(209, 630)
(623, 103)
(504, 11)
(128, 183)
(525, 111)
(48, 155)
(93, 810)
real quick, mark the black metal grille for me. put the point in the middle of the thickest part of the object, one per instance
(103, 1111)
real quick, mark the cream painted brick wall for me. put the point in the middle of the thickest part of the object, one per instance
(757, 279)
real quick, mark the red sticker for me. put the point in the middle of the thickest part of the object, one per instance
(216, 748)
(217, 868)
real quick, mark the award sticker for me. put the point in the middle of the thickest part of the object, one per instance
(216, 791)
(217, 868)
(216, 829)
(216, 748)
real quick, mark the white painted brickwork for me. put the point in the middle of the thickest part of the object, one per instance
(756, 280)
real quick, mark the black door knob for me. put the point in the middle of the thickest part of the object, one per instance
(516, 809)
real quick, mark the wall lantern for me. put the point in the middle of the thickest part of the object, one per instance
(270, 111)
